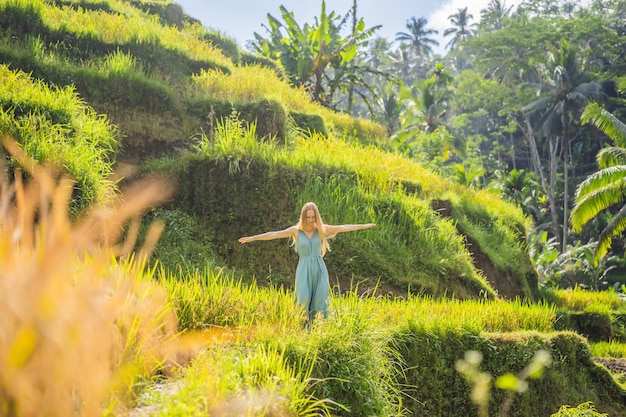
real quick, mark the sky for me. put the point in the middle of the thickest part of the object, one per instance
(239, 19)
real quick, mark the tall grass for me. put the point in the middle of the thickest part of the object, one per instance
(239, 380)
(376, 169)
(251, 83)
(215, 299)
(357, 363)
(237, 144)
(441, 314)
(54, 126)
(78, 328)
(610, 349)
(579, 299)
(264, 363)
(128, 25)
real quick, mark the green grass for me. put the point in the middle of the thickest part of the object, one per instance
(579, 299)
(372, 356)
(128, 25)
(611, 349)
(252, 380)
(55, 127)
(215, 298)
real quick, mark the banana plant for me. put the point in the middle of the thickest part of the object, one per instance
(316, 57)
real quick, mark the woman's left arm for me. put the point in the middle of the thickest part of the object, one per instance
(333, 230)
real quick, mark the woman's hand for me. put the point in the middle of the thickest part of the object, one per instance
(245, 239)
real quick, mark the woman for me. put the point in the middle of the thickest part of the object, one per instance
(310, 238)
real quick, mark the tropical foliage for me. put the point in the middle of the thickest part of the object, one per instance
(196, 324)
(604, 189)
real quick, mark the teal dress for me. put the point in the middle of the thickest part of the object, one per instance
(312, 287)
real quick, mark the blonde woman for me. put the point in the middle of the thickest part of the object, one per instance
(310, 238)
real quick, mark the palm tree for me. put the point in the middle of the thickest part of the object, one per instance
(401, 62)
(461, 28)
(492, 17)
(426, 106)
(377, 50)
(426, 110)
(388, 102)
(522, 189)
(567, 91)
(605, 188)
(418, 36)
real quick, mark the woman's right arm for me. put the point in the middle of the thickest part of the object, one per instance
(279, 234)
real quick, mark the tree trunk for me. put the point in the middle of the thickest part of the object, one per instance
(552, 195)
(534, 154)
(538, 169)
(513, 151)
(565, 120)
(351, 87)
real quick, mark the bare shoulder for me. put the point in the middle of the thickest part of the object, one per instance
(331, 230)
(292, 231)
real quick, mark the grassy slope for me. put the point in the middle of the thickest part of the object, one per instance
(163, 85)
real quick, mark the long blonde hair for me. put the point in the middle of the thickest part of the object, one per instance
(319, 224)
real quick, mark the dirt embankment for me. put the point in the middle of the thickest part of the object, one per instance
(505, 285)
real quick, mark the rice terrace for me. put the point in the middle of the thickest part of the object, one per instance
(484, 274)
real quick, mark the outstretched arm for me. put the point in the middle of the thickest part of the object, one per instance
(279, 234)
(333, 230)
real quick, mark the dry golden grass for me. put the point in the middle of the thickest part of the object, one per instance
(81, 318)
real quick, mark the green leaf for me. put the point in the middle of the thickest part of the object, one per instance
(348, 54)
(360, 26)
